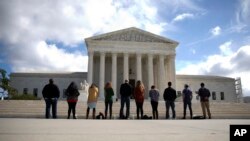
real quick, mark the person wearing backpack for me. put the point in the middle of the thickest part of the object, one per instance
(139, 98)
(204, 94)
(187, 98)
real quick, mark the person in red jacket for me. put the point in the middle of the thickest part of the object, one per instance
(72, 94)
(139, 98)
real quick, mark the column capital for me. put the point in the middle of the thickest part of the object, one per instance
(102, 53)
(114, 53)
(138, 54)
(171, 56)
(125, 53)
(162, 56)
(90, 52)
(150, 54)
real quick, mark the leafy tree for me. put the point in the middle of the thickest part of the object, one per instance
(4, 79)
(5, 83)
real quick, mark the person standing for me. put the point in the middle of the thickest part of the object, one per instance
(72, 94)
(125, 92)
(204, 94)
(154, 96)
(169, 97)
(51, 94)
(139, 98)
(109, 93)
(187, 98)
(92, 100)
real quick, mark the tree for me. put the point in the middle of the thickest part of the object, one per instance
(5, 83)
(4, 80)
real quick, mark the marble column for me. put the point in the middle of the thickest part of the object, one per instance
(114, 73)
(150, 71)
(125, 66)
(161, 75)
(166, 72)
(90, 68)
(172, 70)
(138, 67)
(102, 75)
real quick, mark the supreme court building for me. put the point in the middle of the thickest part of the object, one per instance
(131, 54)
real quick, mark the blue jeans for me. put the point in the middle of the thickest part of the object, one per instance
(189, 104)
(51, 102)
(169, 104)
(125, 100)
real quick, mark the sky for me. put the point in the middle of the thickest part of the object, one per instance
(48, 35)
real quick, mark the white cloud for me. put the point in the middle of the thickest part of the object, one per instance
(216, 31)
(47, 58)
(182, 17)
(225, 48)
(227, 63)
(178, 6)
(27, 28)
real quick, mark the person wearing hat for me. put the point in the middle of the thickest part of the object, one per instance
(187, 98)
(204, 94)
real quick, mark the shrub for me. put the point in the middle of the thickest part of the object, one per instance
(24, 97)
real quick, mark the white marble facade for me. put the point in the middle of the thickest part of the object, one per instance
(131, 54)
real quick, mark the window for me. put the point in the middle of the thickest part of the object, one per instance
(35, 92)
(25, 90)
(214, 95)
(222, 96)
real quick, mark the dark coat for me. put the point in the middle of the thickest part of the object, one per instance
(187, 95)
(51, 91)
(204, 94)
(169, 94)
(125, 90)
(72, 93)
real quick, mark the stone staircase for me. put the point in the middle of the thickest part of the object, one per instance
(36, 109)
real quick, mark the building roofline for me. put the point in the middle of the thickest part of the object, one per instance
(135, 29)
(203, 76)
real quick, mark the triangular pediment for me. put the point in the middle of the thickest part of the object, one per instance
(132, 34)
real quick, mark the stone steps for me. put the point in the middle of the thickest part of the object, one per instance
(35, 109)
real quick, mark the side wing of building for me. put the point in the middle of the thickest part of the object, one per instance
(33, 83)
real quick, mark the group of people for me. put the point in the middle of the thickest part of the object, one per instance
(51, 94)
(187, 96)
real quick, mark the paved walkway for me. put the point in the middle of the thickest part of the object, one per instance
(15, 129)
